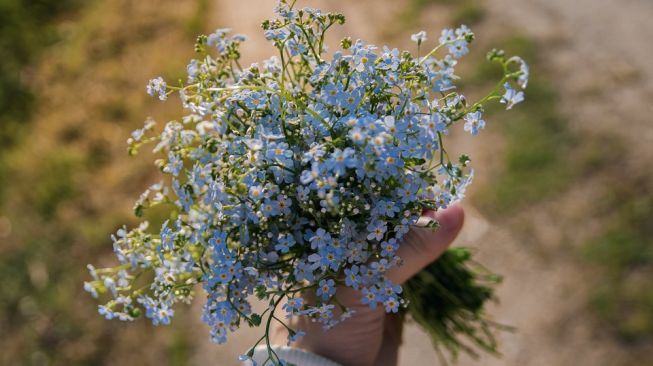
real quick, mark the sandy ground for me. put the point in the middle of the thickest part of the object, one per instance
(600, 54)
(598, 51)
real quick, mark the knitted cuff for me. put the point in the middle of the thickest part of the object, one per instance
(292, 355)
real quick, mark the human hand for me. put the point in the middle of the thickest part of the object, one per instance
(370, 336)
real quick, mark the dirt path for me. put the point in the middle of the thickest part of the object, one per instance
(598, 55)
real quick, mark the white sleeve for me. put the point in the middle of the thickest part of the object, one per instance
(292, 355)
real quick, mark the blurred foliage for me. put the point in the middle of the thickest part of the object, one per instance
(537, 140)
(542, 157)
(467, 12)
(196, 24)
(65, 172)
(26, 28)
(623, 297)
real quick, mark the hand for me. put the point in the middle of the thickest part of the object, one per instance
(370, 336)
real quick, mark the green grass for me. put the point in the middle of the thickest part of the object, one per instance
(462, 11)
(26, 28)
(197, 23)
(68, 184)
(54, 183)
(467, 12)
(623, 250)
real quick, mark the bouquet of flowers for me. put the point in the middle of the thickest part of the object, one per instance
(301, 175)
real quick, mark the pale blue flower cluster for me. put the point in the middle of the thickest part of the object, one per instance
(157, 87)
(301, 175)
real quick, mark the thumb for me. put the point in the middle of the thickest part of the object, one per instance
(422, 246)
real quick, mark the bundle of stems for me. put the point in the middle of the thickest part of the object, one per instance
(447, 299)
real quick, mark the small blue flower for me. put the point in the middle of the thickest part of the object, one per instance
(474, 123)
(357, 135)
(325, 258)
(386, 208)
(364, 59)
(340, 160)
(284, 204)
(256, 192)
(447, 36)
(418, 37)
(183, 194)
(192, 69)
(158, 312)
(293, 305)
(270, 208)
(255, 100)
(350, 100)
(175, 164)
(389, 247)
(309, 176)
(463, 31)
(459, 48)
(357, 251)
(511, 97)
(320, 238)
(106, 312)
(390, 59)
(380, 266)
(168, 237)
(326, 289)
(279, 152)
(390, 289)
(443, 200)
(332, 92)
(352, 277)
(370, 297)
(303, 272)
(407, 193)
(285, 11)
(390, 161)
(391, 304)
(225, 273)
(412, 149)
(88, 287)
(303, 193)
(376, 230)
(284, 243)
(157, 87)
(216, 37)
(276, 34)
(295, 336)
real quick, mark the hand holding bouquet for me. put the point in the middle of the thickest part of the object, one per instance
(298, 178)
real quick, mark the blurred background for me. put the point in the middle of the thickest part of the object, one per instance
(562, 205)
